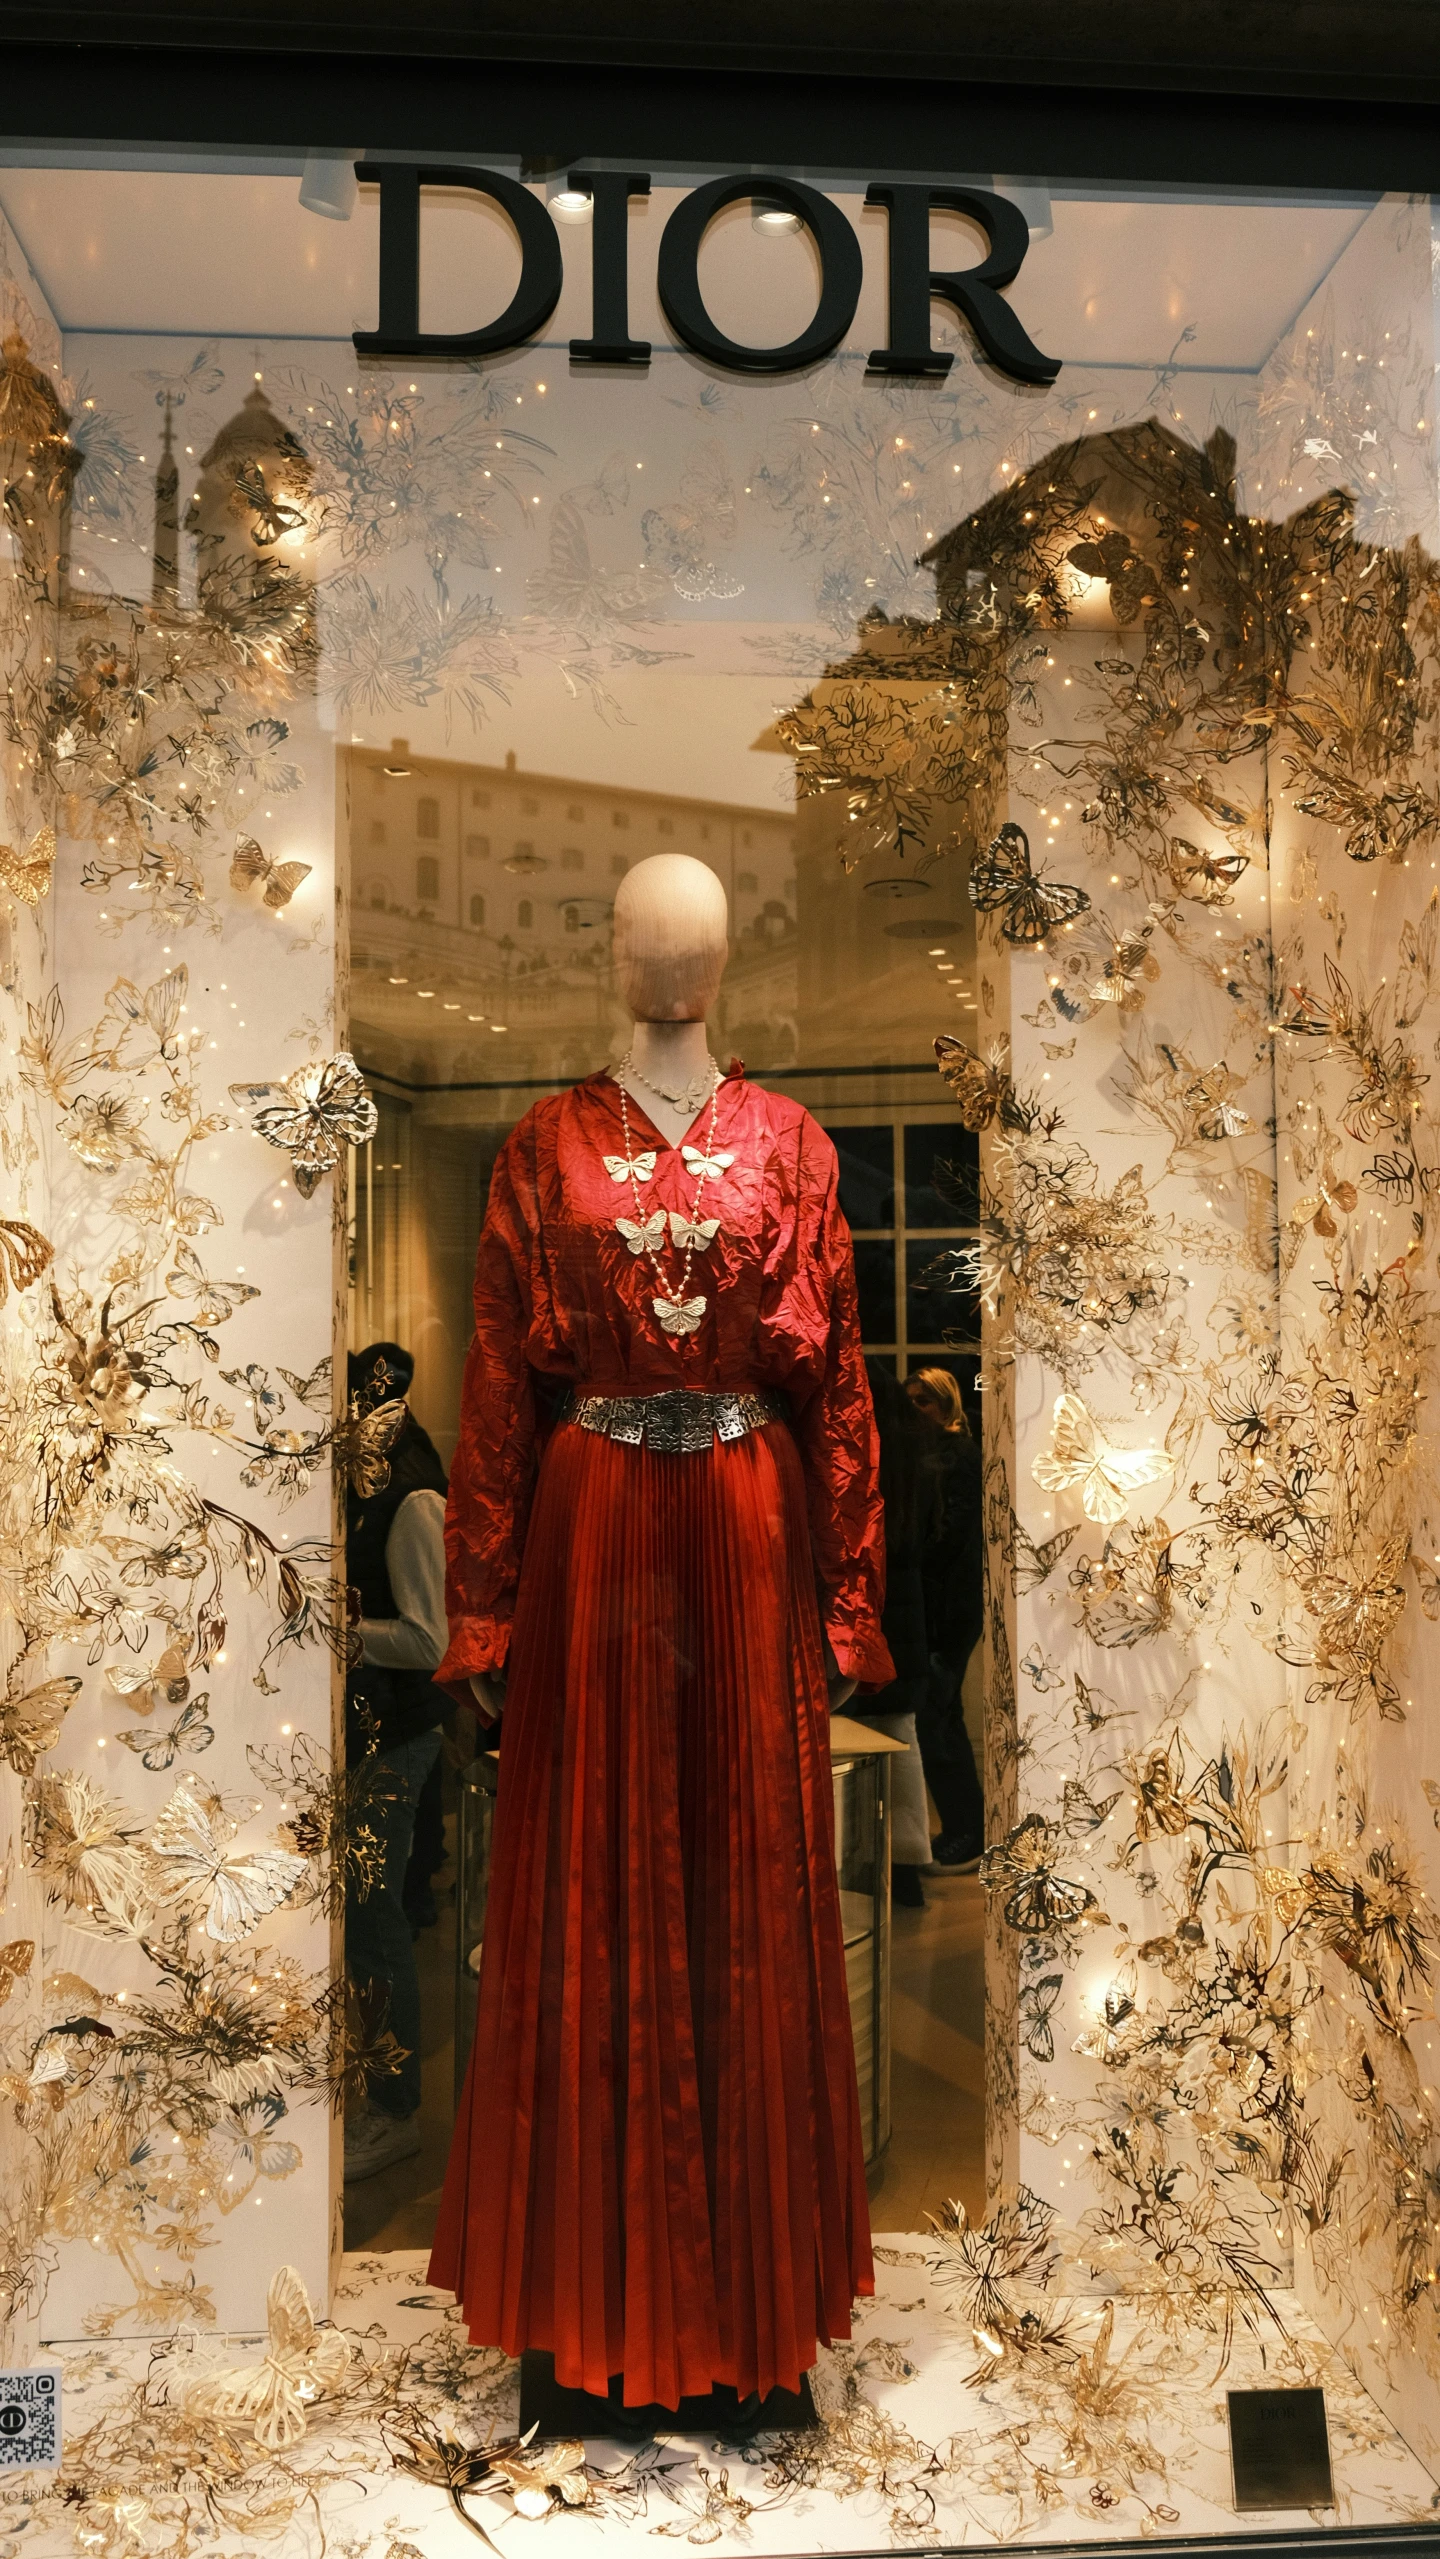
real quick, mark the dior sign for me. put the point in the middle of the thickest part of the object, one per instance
(973, 293)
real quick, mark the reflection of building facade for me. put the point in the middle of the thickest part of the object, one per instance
(482, 903)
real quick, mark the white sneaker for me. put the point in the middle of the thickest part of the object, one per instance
(374, 2140)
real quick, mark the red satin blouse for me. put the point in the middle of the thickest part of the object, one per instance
(559, 1294)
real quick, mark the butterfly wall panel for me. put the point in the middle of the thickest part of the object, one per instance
(177, 1588)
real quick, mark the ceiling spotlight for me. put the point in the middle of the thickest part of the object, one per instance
(767, 213)
(567, 203)
(329, 185)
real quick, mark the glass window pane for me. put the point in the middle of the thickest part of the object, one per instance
(942, 1163)
(867, 1174)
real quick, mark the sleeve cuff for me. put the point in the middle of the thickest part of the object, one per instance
(476, 1644)
(861, 1652)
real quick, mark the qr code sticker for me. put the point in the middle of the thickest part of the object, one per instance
(29, 2420)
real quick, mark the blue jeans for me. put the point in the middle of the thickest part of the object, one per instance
(378, 1946)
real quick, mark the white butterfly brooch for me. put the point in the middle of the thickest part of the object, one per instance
(645, 1237)
(621, 1167)
(1080, 1453)
(679, 1314)
(693, 1234)
(710, 1167)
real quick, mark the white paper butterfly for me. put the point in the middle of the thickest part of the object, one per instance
(645, 1238)
(620, 1167)
(694, 1233)
(679, 1316)
(712, 1166)
(301, 2363)
(234, 1888)
(1080, 1454)
(245, 2140)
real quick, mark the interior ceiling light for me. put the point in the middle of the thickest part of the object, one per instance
(397, 772)
(768, 214)
(567, 203)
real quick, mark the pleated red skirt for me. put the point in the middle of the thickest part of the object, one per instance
(657, 2167)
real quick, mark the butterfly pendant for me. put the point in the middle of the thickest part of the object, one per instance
(27, 875)
(622, 1168)
(679, 1315)
(647, 1237)
(709, 1166)
(693, 1234)
(251, 862)
(1004, 880)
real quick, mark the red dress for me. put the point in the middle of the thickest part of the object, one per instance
(656, 2169)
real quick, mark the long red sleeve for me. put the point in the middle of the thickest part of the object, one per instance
(835, 1428)
(493, 1474)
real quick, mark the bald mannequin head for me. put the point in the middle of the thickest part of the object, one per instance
(671, 939)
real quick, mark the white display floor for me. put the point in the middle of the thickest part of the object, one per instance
(1128, 2442)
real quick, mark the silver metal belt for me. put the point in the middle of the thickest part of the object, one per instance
(675, 1423)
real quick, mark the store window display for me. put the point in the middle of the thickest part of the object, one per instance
(666, 1442)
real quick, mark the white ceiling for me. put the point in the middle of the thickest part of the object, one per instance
(234, 255)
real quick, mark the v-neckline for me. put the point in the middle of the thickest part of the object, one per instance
(678, 1145)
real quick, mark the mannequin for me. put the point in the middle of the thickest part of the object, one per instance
(665, 1556)
(671, 945)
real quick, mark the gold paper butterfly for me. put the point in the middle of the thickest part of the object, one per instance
(1030, 907)
(251, 862)
(27, 875)
(1079, 1453)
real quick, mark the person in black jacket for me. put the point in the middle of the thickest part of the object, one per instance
(911, 1489)
(954, 1573)
(395, 1561)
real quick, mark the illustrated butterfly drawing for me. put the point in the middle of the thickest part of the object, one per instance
(621, 1168)
(1004, 882)
(213, 1301)
(24, 1254)
(30, 1723)
(245, 2138)
(1037, 2002)
(251, 863)
(1032, 1565)
(27, 875)
(647, 1237)
(1080, 1454)
(189, 1735)
(234, 1888)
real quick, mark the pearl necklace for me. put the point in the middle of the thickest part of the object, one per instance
(688, 1097)
(679, 1313)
